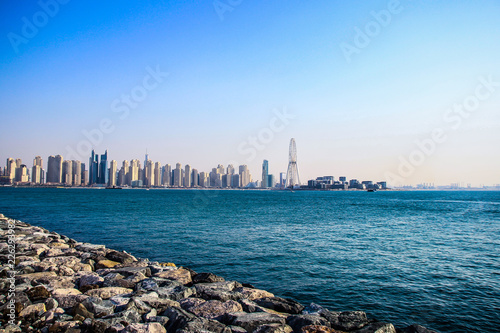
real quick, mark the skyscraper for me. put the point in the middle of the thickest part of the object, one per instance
(244, 175)
(149, 174)
(113, 166)
(77, 173)
(265, 173)
(10, 169)
(36, 171)
(84, 175)
(195, 178)
(134, 171)
(178, 175)
(54, 169)
(67, 173)
(93, 168)
(167, 175)
(103, 169)
(187, 176)
(157, 174)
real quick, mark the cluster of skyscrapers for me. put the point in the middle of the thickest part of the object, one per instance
(131, 173)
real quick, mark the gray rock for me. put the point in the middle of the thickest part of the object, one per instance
(207, 278)
(250, 306)
(215, 309)
(205, 325)
(90, 279)
(175, 293)
(346, 321)
(313, 309)
(159, 319)
(237, 329)
(222, 291)
(127, 316)
(177, 318)
(280, 304)
(99, 307)
(299, 321)
(377, 327)
(273, 328)
(250, 321)
(121, 257)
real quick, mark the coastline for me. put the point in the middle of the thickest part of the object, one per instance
(52, 283)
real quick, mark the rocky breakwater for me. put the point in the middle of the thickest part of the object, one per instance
(51, 283)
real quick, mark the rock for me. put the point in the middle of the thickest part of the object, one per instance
(177, 318)
(250, 321)
(175, 293)
(121, 257)
(251, 306)
(377, 327)
(90, 279)
(87, 247)
(64, 326)
(81, 310)
(145, 328)
(318, 329)
(34, 276)
(108, 292)
(280, 304)
(106, 264)
(215, 309)
(222, 291)
(99, 307)
(156, 302)
(127, 271)
(299, 321)
(159, 319)
(70, 300)
(207, 278)
(415, 329)
(55, 282)
(182, 275)
(37, 293)
(147, 285)
(253, 294)
(127, 316)
(120, 301)
(346, 321)
(99, 326)
(237, 329)
(36, 309)
(188, 303)
(51, 304)
(65, 292)
(313, 309)
(274, 328)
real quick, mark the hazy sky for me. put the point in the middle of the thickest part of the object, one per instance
(356, 83)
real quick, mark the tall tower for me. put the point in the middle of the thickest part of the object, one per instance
(265, 174)
(292, 174)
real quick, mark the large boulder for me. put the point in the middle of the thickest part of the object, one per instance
(182, 275)
(250, 321)
(415, 329)
(280, 304)
(299, 321)
(108, 292)
(377, 327)
(207, 278)
(347, 320)
(215, 309)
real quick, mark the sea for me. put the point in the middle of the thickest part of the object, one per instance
(426, 257)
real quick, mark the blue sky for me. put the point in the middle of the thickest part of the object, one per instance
(228, 77)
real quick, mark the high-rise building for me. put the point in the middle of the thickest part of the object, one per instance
(85, 175)
(157, 174)
(67, 172)
(54, 169)
(77, 173)
(270, 181)
(226, 180)
(282, 179)
(245, 176)
(93, 168)
(10, 169)
(230, 169)
(177, 175)
(22, 174)
(124, 173)
(113, 166)
(134, 171)
(36, 171)
(167, 175)
(204, 179)
(103, 169)
(195, 181)
(187, 176)
(235, 181)
(149, 174)
(265, 173)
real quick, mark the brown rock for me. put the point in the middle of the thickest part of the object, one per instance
(108, 292)
(106, 264)
(182, 275)
(38, 308)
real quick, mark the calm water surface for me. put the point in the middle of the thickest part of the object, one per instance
(405, 257)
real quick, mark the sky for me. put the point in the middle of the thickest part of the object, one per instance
(403, 91)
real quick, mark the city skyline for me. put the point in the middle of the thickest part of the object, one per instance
(401, 89)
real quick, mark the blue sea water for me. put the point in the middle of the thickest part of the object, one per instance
(405, 257)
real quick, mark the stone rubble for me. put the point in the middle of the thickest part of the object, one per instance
(62, 285)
